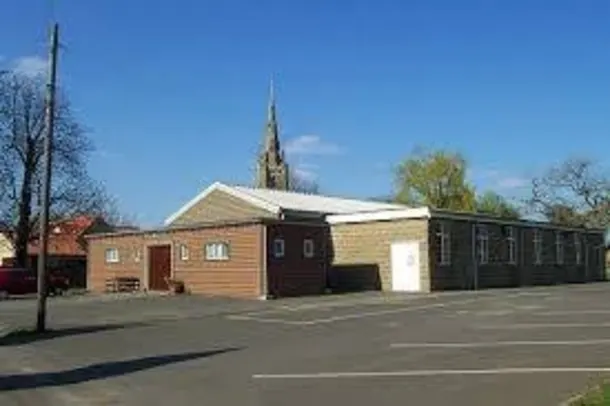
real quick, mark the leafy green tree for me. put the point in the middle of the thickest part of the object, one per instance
(496, 205)
(436, 179)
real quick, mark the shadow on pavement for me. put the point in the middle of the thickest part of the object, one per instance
(98, 371)
(20, 337)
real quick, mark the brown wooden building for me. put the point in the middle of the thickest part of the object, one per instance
(248, 242)
(230, 240)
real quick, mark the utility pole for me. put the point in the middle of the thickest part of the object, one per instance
(46, 181)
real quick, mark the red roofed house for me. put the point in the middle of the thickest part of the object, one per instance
(67, 247)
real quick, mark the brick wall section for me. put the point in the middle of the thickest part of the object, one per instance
(460, 273)
(367, 245)
(220, 206)
(295, 274)
(238, 277)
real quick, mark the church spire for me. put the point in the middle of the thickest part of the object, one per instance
(272, 139)
(272, 170)
(271, 108)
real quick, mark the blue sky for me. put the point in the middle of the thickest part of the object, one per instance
(174, 92)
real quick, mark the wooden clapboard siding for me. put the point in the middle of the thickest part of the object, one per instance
(220, 206)
(238, 276)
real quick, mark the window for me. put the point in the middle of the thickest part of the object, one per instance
(137, 255)
(511, 245)
(559, 248)
(577, 249)
(443, 244)
(537, 247)
(183, 251)
(308, 248)
(216, 251)
(278, 248)
(112, 255)
(482, 244)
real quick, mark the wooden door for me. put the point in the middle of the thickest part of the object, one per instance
(159, 266)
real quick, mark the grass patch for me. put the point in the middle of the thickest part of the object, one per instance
(595, 395)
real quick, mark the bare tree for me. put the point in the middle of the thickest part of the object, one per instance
(575, 192)
(22, 108)
(302, 185)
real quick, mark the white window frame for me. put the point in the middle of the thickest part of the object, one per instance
(308, 248)
(445, 244)
(537, 241)
(111, 255)
(559, 248)
(577, 249)
(137, 255)
(279, 247)
(184, 253)
(511, 244)
(482, 244)
(216, 251)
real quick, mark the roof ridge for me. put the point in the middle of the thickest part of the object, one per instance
(296, 193)
(252, 195)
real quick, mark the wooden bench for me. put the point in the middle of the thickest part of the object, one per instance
(122, 284)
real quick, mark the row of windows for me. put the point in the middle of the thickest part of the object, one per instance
(481, 245)
(217, 251)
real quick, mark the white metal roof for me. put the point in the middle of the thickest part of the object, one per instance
(316, 203)
(275, 201)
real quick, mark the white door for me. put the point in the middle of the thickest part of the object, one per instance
(405, 266)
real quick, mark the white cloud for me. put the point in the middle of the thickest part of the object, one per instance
(310, 145)
(30, 66)
(501, 180)
(306, 172)
(512, 182)
(104, 153)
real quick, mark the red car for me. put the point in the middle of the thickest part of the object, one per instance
(23, 281)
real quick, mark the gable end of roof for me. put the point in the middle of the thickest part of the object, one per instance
(228, 190)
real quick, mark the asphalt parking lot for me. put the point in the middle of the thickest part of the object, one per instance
(533, 346)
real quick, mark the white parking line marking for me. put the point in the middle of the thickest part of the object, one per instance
(432, 372)
(262, 320)
(519, 326)
(500, 344)
(571, 312)
(249, 316)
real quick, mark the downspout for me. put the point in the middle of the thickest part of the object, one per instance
(475, 263)
(263, 263)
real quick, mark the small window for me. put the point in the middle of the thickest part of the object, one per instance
(482, 244)
(511, 245)
(537, 247)
(112, 255)
(559, 248)
(577, 249)
(278, 248)
(137, 255)
(217, 251)
(443, 243)
(183, 251)
(308, 248)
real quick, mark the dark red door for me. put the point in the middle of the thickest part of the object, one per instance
(159, 266)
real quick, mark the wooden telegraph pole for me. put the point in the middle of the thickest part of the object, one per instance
(46, 181)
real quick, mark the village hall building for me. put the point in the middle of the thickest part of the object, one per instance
(265, 241)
